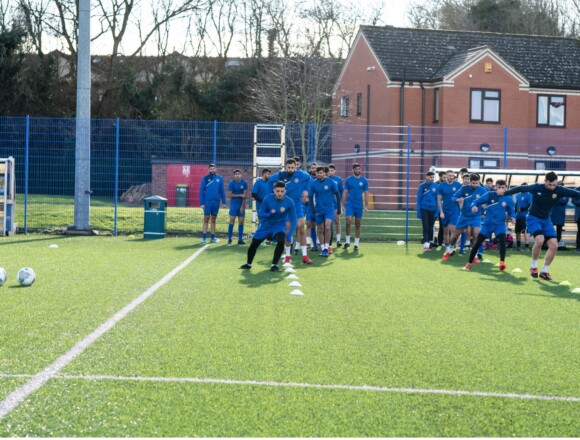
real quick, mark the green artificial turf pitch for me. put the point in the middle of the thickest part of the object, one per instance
(388, 341)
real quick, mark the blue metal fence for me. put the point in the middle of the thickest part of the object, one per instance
(131, 159)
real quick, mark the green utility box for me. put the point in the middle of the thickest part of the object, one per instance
(154, 222)
(181, 196)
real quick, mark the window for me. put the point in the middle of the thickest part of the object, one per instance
(359, 104)
(344, 104)
(485, 106)
(551, 165)
(436, 105)
(480, 164)
(552, 110)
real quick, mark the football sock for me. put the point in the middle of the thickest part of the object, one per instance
(545, 268)
(313, 236)
(230, 231)
(462, 242)
(203, 236)
(240, 232)
(326, 245)
(347, 239)
(309, 240)
(252, 250)
(288, 249)
(534, 264)
(337, 237)
(212, 236)
(501, 238)
(356, 240)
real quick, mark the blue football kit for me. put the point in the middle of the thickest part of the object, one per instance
(211, 192)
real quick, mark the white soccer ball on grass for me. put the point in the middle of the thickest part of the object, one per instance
(26, 276)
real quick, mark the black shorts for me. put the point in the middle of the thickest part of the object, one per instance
(520, 225)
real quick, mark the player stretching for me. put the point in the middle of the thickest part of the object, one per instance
(276, 209)
(237, 190)
(211, 192)
(323, 193)
(544, 197)
(498, 205)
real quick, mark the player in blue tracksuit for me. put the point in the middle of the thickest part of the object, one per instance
(338, 180)
(523, 203)
(448, 209)
(323, 195)
(237, 191)
(427, 208)
(297, 183)
(498, 204)
(277, 223)
(356, 201)
(311, 238)
(558, 217)
(467, 218)
(211, 192)
(261, 188)
(544, 197)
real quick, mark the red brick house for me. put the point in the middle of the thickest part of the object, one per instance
(474, 99)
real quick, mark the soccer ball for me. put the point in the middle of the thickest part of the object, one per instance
(2, 275)
(26, 276)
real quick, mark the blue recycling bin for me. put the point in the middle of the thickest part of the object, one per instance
(155, 217)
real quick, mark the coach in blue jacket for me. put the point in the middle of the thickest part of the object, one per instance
(427, 208)
(211, 192)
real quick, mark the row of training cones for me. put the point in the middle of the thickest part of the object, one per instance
(294, 279)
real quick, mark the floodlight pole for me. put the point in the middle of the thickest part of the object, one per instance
(83, 120)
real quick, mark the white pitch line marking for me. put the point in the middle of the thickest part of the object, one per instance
(368, 388)
(38, 380)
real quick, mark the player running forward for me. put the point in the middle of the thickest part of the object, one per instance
(211, 192)
(277, 223)
(297, 183)
(356, 201)
(448, 209)
(237, 190)
(323, 193)
(498, 205)
(544, 197)
(338, 180)
(523, 202)
(467, 218)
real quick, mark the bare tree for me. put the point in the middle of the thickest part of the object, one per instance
(254, 26)
(295, 90)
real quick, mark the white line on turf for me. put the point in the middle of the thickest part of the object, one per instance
(376, 389)
(38, 380)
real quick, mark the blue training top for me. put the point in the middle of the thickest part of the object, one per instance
(497, 207)
(296, 183)
(274, 212)
(446, 191)
(237, 188)
(326, 192)
(523, 202)
(211, 189)
(469, 194)
(543, 199)
(356, 186)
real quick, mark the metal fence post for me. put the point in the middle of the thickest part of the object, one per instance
(214, 141)
(116, 175)
(408, 183)
(26, 158)
(505, 146)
